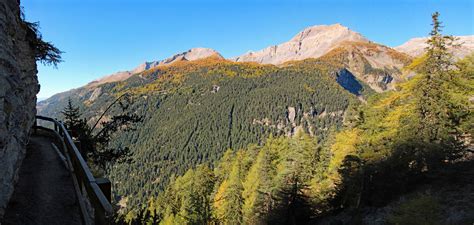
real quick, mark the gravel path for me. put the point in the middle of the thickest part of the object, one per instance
(45, 192)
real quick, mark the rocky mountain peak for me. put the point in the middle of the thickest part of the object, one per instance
(417, 46)
(200, 53)
(145, 66)
(312, 42)
(332, 32)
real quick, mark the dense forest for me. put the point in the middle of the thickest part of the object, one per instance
(208, 112)
(385, 148)
(192, 112)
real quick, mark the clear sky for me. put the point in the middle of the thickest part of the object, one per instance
(100, 37)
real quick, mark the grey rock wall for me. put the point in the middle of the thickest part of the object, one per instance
(18, 89)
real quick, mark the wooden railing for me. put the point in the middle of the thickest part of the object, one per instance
(93, 194)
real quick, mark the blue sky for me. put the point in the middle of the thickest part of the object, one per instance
(100, 37)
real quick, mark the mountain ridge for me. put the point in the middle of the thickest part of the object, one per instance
(312, 42)
(190, 55)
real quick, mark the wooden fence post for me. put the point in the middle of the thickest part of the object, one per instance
(105, 186)
(77, 143)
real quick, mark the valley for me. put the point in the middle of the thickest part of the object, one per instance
(314, 111)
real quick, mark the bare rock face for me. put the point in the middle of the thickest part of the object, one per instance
(312, 42)
(199, 53)
(416, 46)
(18, 89)
(190, 55)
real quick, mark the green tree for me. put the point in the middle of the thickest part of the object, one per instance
(432, 98)
(461, 87)
(257, 191)
(95, 146)
(233, 201)
(295, 169)
(196, 202)
(73, 120)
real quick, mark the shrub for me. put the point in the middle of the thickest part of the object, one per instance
(421, 210)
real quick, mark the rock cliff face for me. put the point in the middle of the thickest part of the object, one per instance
(18, 89)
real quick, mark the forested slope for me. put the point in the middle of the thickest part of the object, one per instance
(399, 141)
(194, 111)
(386, 149)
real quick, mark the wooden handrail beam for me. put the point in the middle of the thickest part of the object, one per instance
(97, 191)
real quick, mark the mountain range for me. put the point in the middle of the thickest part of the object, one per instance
(356, 51)
(197, 104)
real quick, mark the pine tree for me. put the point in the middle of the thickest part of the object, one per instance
(72, 118)
(96, 146)
(433, 102)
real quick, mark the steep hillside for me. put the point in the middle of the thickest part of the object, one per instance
(417, 46)
(386, 166)
(51, 105)
(194, 111)
(372, 64)
(376, 65)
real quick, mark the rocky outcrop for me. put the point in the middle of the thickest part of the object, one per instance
(417, 46)
(18, 89)
(312, 42)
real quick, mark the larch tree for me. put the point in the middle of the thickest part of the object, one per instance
(257, 191)
(233, 201)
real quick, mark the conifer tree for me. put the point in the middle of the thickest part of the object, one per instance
(433, 102)
(294, 172)
(257, 189)
(197, 207)
(96, 146)
(232, 206)
(72, 119)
